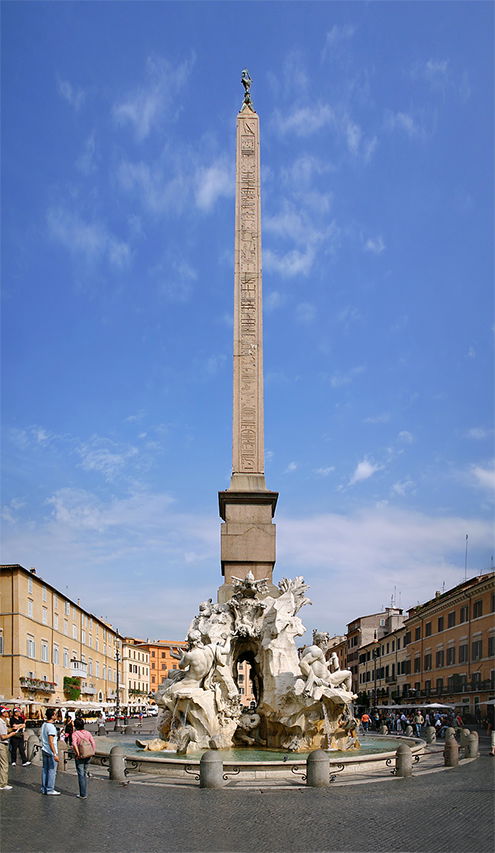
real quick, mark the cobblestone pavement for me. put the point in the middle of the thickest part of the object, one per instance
(448, 812)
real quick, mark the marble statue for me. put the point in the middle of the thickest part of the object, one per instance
(302, 702)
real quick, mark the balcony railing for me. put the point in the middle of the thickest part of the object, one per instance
(37, 684)
(78, 668)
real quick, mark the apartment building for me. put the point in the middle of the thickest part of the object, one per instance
(161, 660)
(135, 672)
(450, 643)
(51, 649)
(365, 630)
(382, 669)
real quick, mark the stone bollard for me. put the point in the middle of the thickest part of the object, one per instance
(464, 739)
(449, 732)
(101, 730)
(317, 769)
(403, 761)
(451, 752)
(32, 742)
(430, 734)
(63, 757)
(409, 731)
(117, 764)
(118, 726)
(211, 770)
(383, 730)
(472, 746)
(128, 729)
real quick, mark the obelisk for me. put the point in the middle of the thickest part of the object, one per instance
(247, 507)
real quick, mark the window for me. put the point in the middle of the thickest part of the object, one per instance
(55, 653)
(104, 671)
(152, 654)
(398, 643)
(440, 624)
(492, 603)
(491, 646)
(55, 601)
(417, 633)
(66, 658)
(74, 632)
(417, 664)
(55, 621)
(428, 629)
(439, 684)
(30, 585)
(44, 651)
(450, 656)
(30, 647)
(477, 650)
(382, 623)
(451, 619)
(427, 687)
(97, 669)
(478, 609)
(427, 662)
(1, 643)
(83, 636)
(440, 658)
(164, 665)
(407, 638)
(43, 593)
(44, 615)
(463, 653)
(30, 608)
(96, 644)
(66, 628)
(90, 666)
(463, 614)
(67, 608)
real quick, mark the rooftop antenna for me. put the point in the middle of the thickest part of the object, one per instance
(465, 558)
(443, 586)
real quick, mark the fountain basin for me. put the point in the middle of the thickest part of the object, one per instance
(259, 764)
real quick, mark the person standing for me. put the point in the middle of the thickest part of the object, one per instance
(365, 721)
(49, 751)
(5, 736)
(17, 739)
(79, 739)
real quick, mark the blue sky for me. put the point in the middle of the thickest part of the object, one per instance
(118, 148)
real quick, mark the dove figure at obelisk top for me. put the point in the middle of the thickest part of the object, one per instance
(247, 506)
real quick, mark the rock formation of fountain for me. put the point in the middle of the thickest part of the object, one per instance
(303, 702)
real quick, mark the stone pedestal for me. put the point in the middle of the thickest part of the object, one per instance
(247, 537)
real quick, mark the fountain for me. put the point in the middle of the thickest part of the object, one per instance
(303, 702)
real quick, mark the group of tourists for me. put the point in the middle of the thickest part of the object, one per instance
(398, 721)
(72, 730)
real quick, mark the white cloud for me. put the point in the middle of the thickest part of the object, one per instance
(73, 96)
(478, 433)
(484, 476)
(363, 471)
(144, 108)
(403, 487)
(105, 456)
(471, 353)
(305, 313)
(382, 418)
(273, 300)
(338, 380)
(405, 437)
(291, 467)
(158, 192)
(324, 472)
(289, 264)
(375, 245)
(92, 240)
(304, 121)
(212, 183)
(404, 122)
(435, 72)
(336, 35)
(86, 163)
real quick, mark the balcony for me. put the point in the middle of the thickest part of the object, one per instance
(390, 679)
(40, 684)
(78, 668)
(89, 690)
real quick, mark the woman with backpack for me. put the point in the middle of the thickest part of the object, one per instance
(83, 744)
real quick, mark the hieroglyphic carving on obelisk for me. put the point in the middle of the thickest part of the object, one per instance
(247, 445)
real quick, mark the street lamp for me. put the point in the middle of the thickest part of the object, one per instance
(375, 654)
(117, 726)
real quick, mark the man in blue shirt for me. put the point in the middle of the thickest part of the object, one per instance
(49, 752)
